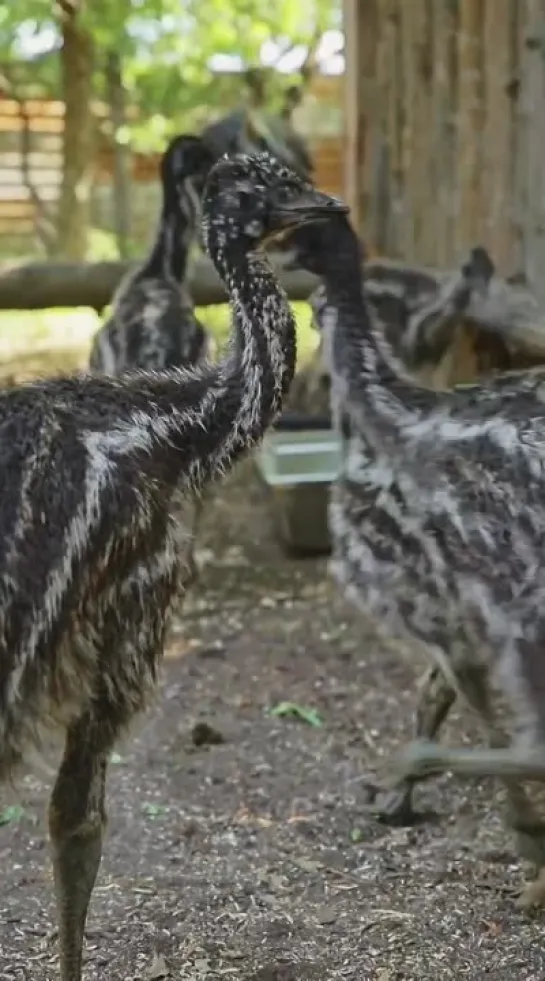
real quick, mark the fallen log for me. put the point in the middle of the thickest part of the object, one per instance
(39, 285)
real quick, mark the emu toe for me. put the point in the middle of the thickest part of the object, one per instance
(394, 807)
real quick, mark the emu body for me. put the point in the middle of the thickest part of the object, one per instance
(444, 331)
(89, 556)
(440, 533)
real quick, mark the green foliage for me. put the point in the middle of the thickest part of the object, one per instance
(302, 712)
(11, 814)
(49, 330)
(165, 48)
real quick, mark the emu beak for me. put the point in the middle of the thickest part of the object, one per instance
(309, 207)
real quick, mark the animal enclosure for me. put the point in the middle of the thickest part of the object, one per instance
(444, 125)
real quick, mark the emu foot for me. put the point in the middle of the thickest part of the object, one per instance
(533, 894)
(530, 845)
(393, 806)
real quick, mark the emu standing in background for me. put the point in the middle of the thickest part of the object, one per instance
(89, 554)
(251, 127)
(153, 323)
(441, 535)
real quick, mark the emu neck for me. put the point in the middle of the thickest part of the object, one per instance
(369, 382)
(169, 255)
(194, 425)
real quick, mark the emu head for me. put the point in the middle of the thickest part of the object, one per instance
(185, 166)
(251, 200)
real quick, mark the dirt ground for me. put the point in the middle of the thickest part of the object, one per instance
(256, 857)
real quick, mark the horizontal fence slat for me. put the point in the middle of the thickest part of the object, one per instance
(44, 121)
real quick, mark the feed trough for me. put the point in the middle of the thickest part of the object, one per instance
(298, 460)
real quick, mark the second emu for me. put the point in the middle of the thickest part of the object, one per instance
(441, 535)
(153, 324)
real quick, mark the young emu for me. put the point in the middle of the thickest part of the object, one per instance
(153, 323)
(451, 551)
(89, 558)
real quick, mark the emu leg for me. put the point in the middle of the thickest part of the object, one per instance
(424, 759)
(395, 805)
(511, 765)
(77, 821)
(521, 816)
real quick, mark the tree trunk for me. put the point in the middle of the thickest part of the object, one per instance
(122, 154)
(532, 146)
(77, 58)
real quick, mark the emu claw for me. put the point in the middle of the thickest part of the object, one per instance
(394, 807)
(391, 805)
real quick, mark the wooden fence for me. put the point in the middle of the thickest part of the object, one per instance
(445, 113)
(321, 121)
(44, 123)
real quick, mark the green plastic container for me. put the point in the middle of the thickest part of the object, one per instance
(298, 460)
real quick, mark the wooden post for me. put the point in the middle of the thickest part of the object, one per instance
(470, 121)
(496, 186)
(388, 208)
(443, 123)
(360, 26)
(416, 22)
(352, 111)
(445, 140)
(532, 145)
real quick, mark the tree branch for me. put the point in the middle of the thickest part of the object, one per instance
(40, 285)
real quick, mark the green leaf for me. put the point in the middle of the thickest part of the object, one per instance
(11, 814)
(309, 715)
(153, 810)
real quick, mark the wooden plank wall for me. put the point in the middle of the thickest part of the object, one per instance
(450, 100)
(45, 125)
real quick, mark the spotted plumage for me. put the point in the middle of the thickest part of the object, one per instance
(90, 556)
(153, 324)
(438, 527)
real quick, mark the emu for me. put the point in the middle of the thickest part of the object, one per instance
(153, 323)
(441, 535)
(89, 555)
